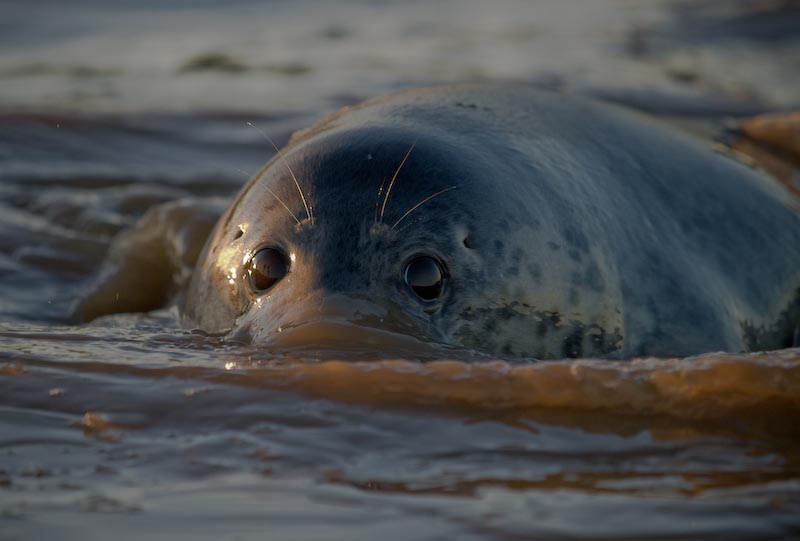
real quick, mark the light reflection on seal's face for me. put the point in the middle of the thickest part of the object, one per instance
(498, 219)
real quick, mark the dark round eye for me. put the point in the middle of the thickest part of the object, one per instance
(424, 275)
(266, 268)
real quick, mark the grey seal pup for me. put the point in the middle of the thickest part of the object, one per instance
(505, 220)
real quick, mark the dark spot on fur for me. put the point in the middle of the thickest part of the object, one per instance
(548, 322)
(507, 312)
(573, 296)
(573, 343)
(498, 246)
(603, 343)
(594, 279)
(576, 239)
(238, 233)
(553, 245)
(574, 255)
(783, 333)
(468, 314)
(571, 338)
(469, 242)
(541, 329)
(535, 271)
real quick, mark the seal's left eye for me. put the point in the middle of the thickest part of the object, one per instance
(425, 277)
(266, 268)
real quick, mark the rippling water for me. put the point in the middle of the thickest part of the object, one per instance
(141, 430)
(130, 427)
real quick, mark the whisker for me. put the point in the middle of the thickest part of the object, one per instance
(391, 184)
(296, 219)
(288, 167)
(378, 199)
(415, 207)
(274, 195)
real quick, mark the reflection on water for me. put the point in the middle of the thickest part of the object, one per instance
(123, 424)
(131, 428)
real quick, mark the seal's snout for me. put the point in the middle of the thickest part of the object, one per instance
(336, 322)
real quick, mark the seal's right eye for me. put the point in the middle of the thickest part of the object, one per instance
(425, 276)
(266, 268)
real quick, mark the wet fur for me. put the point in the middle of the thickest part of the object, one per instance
(577, 229)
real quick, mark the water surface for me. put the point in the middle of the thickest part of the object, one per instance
(130, 427)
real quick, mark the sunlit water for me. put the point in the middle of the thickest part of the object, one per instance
(132, 428)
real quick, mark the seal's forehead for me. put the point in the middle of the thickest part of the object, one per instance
(418, 187)
(374, 173)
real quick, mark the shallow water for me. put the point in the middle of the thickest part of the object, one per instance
(142, 431)
(131, 427)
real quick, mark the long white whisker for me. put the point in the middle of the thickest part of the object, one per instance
(288, 167)
(415, 207)
(391, 184)
(274, 195)
(296, 219)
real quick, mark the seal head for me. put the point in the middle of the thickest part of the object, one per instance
(504, 220)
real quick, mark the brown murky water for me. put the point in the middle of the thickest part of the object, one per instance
(132, 428)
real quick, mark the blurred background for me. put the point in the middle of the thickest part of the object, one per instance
(314, 55)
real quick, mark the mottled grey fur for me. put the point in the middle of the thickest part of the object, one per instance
(575, 229)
